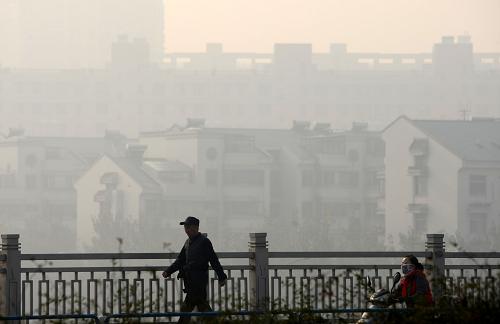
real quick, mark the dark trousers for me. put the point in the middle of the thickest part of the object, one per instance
(195, 299)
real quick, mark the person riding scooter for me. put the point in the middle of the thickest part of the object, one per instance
(414, 287)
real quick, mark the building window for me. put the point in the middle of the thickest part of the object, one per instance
(307, 209)
(375, 147)
(371, 211)
(308, 178)
(8, 180)
(244, 177)
(477, 185)
(334, 146)
(371, 179)
(241, 208)
(478, 223)
(212, 177)
(211, 153)
(31, 182)
(31, 160)
(420, 222)
(381, 187)
(419, 161)
(57, 182)
(327, 178)
(239, 144)
(339, 215)
(419, 186)
(348, 179)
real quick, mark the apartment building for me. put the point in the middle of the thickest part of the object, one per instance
(443, 176)
(36, 185)
(255, 90)
(307, 186)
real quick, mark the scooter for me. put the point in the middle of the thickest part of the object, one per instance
(379, 299)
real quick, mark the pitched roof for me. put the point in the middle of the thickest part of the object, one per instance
(473, 140)
(87, 148)
(163, 165)
(137, 173)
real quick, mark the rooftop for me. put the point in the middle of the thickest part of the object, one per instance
(472, 140)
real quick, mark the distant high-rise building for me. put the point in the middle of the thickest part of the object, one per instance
(75, 34)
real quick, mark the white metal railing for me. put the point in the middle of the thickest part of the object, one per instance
(74, 283)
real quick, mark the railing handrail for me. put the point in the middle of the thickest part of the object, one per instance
(248, 267)
(246, 255)
(346, 254)
(472, 266)
(120, 256)
(115, 268)
(333, 266)
(468, 255)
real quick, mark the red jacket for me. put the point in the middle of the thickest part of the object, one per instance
(416, 283)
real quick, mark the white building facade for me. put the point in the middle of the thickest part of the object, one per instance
(443, 176)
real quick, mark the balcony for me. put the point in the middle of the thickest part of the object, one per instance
(420, 171)
(418, 208)
(109, 178)
(380, 175)
(478, 206)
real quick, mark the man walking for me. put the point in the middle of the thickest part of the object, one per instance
(192, 264)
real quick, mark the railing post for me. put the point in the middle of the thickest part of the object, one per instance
(259, 274)
(10, 276)
(435, 245)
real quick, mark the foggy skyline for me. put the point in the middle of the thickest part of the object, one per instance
(90, 78)
(365, 25)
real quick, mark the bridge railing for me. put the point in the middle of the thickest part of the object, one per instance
(109, 283)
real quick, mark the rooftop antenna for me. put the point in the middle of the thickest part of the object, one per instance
(464, 112)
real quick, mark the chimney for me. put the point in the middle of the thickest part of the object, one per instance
(322, 127)
(301, 125)
(359, 126)
(195, 123)
(135, 152)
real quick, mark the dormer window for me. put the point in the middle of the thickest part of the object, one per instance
(420, 146)
(239, 144)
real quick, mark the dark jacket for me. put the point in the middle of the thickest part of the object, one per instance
(192, 263)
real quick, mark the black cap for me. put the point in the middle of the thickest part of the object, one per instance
(190, 220)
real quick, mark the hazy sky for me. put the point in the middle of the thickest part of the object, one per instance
(365, 25)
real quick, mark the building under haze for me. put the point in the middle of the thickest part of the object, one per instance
(242, 90)
(61, 34)
(36, 186)
(308, 187)
(443, 176)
